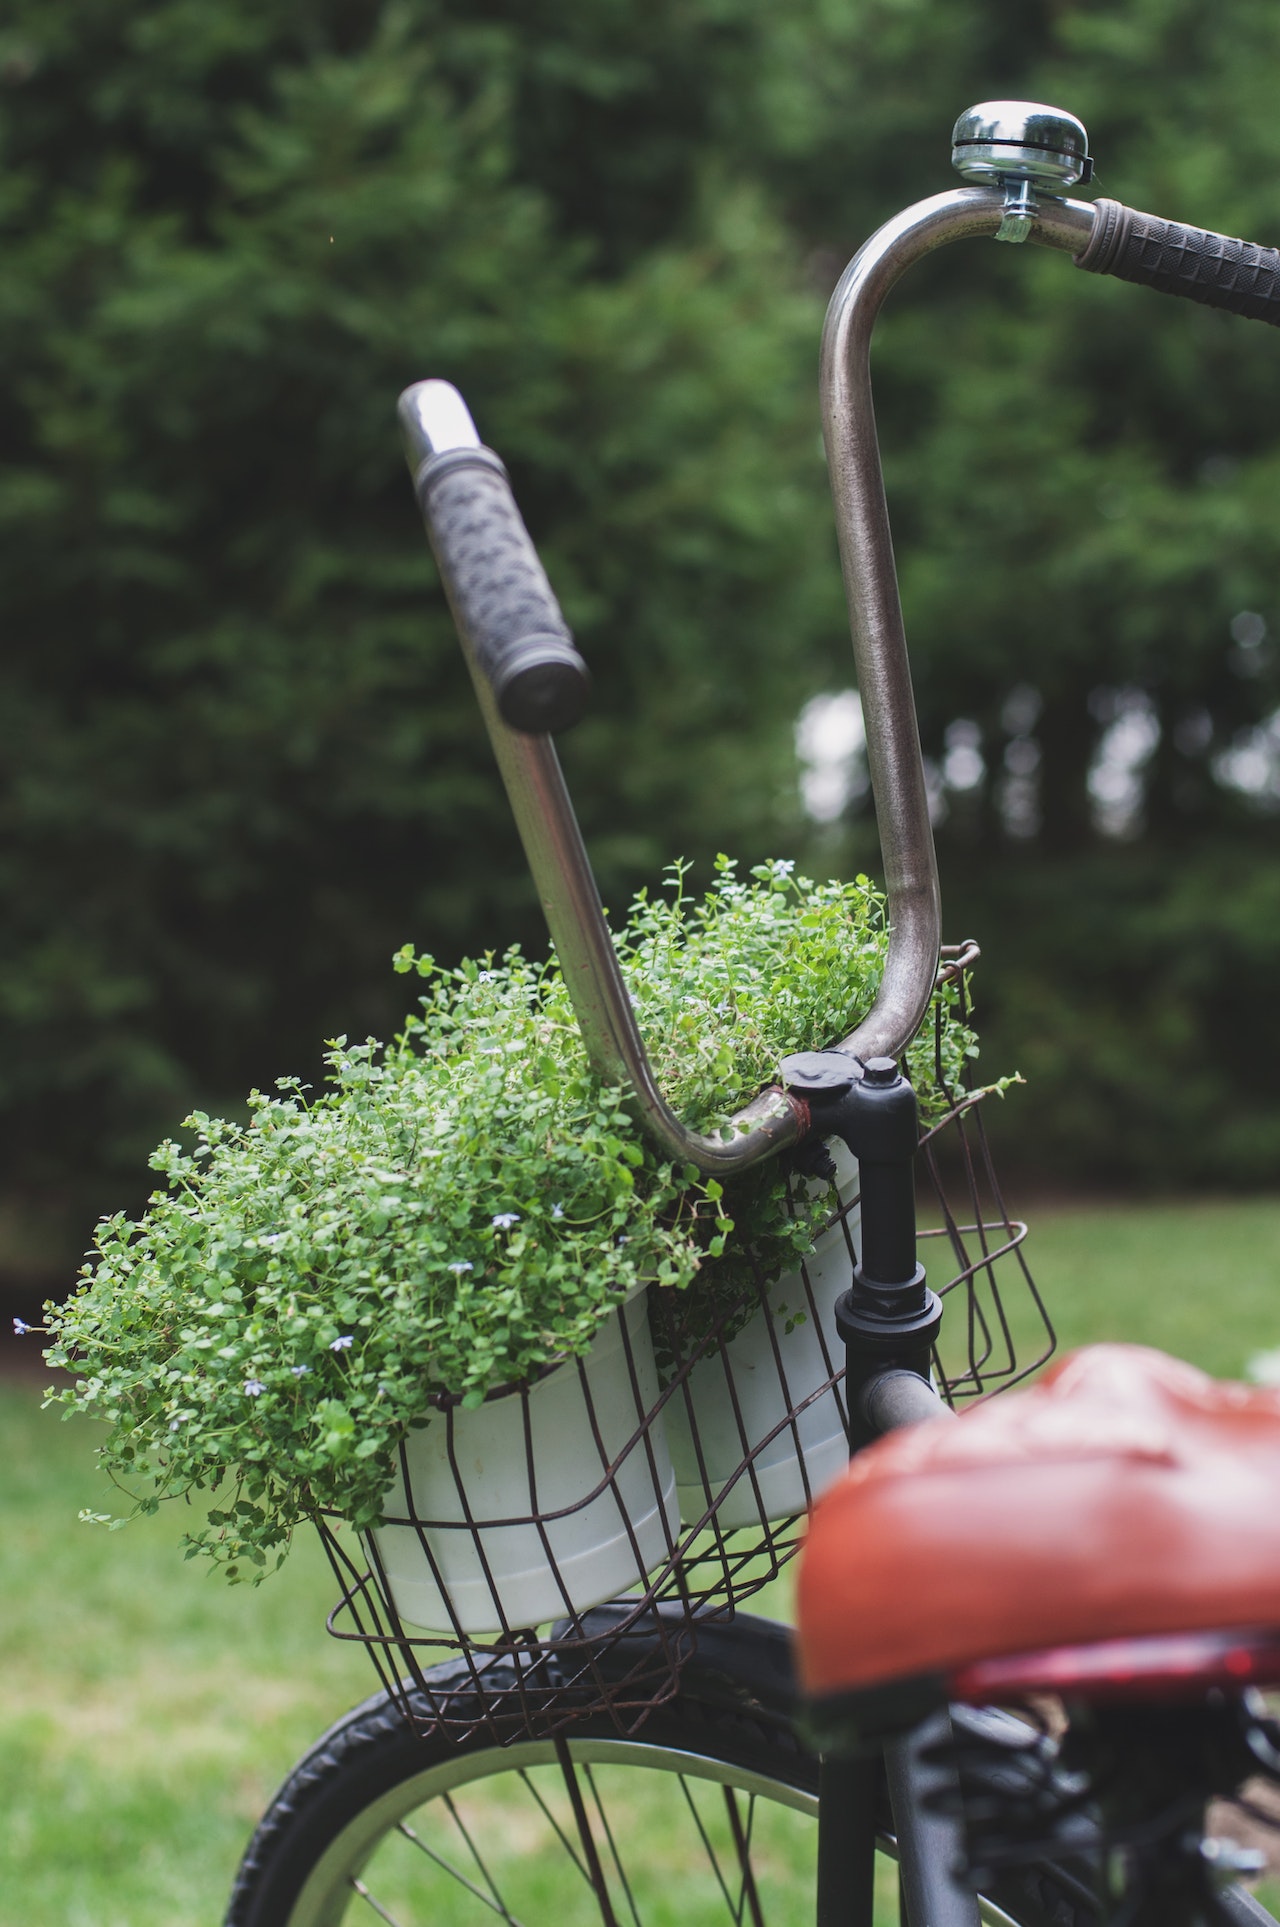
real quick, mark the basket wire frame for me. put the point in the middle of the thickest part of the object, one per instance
(624, 1657)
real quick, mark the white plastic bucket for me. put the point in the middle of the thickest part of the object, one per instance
(772, 1370)
(501, 1470)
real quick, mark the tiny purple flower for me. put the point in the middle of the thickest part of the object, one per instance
(342, 1344)
(557, 1211)
(505, 1220)
(254, 1387)
(21, 1328)
(299, 1371)
(462, 1265)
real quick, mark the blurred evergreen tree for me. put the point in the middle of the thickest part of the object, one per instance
(240, 759)
(1085, 479)
(239, 762)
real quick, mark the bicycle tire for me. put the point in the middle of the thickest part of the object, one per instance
(344, 1811)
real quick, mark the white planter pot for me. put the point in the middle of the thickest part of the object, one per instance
(535, 1453)
(773, 1370)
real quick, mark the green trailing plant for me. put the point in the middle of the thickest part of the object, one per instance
(454, 1211)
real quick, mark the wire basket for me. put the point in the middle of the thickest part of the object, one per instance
(563, 1543)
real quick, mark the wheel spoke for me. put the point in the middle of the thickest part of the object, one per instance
(590, 1853)
(613, 1846)
(488, 1879)
(555, 1826)
(712, 1856)
(748, 1896)
(369, 1900)
(494, 1905)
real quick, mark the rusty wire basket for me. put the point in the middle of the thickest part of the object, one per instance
(563, 1545)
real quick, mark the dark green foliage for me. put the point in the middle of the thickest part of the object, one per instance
(1085, 476)
(239, 763)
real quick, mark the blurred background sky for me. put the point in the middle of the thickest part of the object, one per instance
(239, 758)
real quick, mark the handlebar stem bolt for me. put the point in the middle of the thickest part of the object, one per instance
(819, 1073)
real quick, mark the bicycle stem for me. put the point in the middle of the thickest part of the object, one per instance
(434, 421)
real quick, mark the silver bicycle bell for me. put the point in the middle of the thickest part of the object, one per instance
(1024, 148)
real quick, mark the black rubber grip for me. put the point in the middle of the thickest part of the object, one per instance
(1212, 268)
(502, 602)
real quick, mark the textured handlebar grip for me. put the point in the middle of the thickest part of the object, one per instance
(1212, 268)
(501, 599)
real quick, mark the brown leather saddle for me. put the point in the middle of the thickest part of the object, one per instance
(1113, 1530)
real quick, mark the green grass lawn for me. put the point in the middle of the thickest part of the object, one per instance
(148, 1710)
(1201, 1280)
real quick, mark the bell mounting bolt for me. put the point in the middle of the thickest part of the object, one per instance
(1027, 149)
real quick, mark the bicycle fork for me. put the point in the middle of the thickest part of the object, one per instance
(889, 1321)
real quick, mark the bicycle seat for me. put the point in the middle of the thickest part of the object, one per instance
(1117, 1525)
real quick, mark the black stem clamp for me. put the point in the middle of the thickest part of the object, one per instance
(888, 1316)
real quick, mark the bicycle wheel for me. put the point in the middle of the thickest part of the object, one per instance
(708, 1813)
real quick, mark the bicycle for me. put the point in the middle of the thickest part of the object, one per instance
(669, 1704)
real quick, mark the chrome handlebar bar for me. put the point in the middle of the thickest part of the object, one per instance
(871, 584)
(434, 419)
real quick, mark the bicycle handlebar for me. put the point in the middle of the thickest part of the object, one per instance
(437, 427)
(894, 761)
(1190, 261)
(511, 625)
(497, 587)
